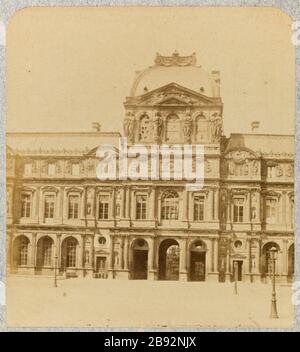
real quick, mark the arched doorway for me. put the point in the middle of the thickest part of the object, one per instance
(168, 260)
(44, 252)
(291, 262)
(197, 261)
(21, 251)
(69, 253)
(266, 259)
(139, 259)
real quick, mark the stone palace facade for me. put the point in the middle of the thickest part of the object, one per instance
(60, 215)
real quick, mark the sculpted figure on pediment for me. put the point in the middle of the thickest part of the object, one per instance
(68, 167)
(207, 167)
(187, 128)
(82, 167)
(58, 167)
(231, 168)
(254, 168)
(158, 127)
(128, 126)
(216, 128)
(279, 171)
(290, 170)
(44, 166)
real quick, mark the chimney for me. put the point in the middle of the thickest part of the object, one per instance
(216, 83)
(96, 126)
(254, 126)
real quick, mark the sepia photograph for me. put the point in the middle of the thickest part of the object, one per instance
(150, 168)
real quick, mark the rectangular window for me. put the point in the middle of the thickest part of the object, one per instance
(103, 207)
(73, 207)
(51, 169)
(199, 208)
(238, 210)
(141, 207)
(49, 207)
(271, 211)
(25, 205)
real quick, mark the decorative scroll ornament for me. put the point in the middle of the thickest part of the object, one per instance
(175, 60)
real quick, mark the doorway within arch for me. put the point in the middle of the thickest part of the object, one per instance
(140, 259)
(168, 260)
(198, 257)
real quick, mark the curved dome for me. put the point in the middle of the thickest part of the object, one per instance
(192, 77)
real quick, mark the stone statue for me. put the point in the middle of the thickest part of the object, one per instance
(128, 126)
(216, 128)
(187, 128)
(158, 127)
(254, 168)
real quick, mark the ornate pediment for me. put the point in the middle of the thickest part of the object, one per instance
(171, 94)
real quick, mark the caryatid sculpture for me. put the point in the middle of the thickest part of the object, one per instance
(128, 126)
(187, 128)
(216, 128)
(158, 127)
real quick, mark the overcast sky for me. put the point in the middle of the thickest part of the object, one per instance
(69, 67)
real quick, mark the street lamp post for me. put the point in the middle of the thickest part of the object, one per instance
(55, 268)
(273, 256)
(235, 273)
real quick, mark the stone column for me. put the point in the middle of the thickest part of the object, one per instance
(151, 259)
(33, 253)
(216, 195)
(284, 208)
(120, 253)
(80, 255)
(228, 269)
(182, 262)
(128, 205)
(212, 270)
(284, 260)
(209, 213)
(216, 256)
(185, 205)
(152, 204)
(126, 253)
(248, 261)
(58, 251)
(111, 258)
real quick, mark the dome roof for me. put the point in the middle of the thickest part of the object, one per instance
(174, 69)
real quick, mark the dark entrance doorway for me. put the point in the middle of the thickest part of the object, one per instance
(168, 261)
(140, 260)
(238, 270)
(197, 266)
(197, 261)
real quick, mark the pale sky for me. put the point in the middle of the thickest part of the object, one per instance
(68, 67)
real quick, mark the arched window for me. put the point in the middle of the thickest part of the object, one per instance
(145, 129)
(22, 250)
(267, 265)
(71, 253)
(170, 206)
(173, 129)
(201, 128)
(44, 252)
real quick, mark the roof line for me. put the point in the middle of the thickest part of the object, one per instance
(262, 134)
(64, 133)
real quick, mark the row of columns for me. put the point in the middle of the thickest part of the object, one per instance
(124, 264)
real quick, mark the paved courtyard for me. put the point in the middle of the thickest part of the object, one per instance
(35, 302)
